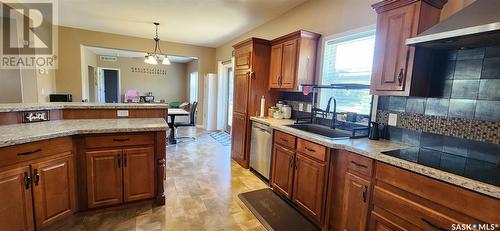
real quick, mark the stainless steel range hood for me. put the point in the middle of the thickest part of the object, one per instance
(476, 25)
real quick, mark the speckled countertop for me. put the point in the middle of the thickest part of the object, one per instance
(373, 149)
(24, 133)
(12, 107)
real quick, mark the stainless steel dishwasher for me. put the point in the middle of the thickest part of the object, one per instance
(260, 148)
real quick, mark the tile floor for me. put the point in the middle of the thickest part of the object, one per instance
(202, 194)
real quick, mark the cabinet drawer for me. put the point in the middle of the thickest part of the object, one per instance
(24, 152)
(284, 139)
(118, 140)
(470, 203)
(359, 164)
(311, 149)
(413, 212)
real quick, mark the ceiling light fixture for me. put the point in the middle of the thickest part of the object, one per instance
(156, 56)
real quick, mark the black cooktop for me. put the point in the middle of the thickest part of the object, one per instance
(460, 165)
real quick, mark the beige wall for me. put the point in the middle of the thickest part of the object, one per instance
(170, 87)
(10, 87)
(88, 86)
(326, 17)
(46, 85)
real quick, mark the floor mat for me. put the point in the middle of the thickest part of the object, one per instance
(274, 213)
(222, 137)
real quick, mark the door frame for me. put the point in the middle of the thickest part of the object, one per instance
(100, 84)
(224, 68)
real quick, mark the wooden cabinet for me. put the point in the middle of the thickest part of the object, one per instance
(138, 167)
(16, 212)
(298, 175)
(356, 200)
(293, 60)
(250, 84)
(393, 72)
(309, 185)
(117, 176)
(104, 177)
(53, 189)
(282, 170)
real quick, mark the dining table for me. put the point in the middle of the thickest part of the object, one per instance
(172, 113)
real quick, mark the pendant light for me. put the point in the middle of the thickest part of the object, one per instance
(156, 56)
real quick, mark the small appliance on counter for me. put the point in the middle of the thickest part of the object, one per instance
(374, 133)
(147, 99)
(287, 111)
(60, 98)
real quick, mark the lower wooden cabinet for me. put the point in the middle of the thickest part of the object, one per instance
(16, 212)
(383, 221)
(104, 177)
(53, 189)
(282, 170)
(117, 176)
(309, 185)
(238, 137)
(356, 198)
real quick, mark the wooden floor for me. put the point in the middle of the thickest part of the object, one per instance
(202, 194)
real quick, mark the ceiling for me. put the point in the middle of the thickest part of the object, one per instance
(135, 54)
(199, 22)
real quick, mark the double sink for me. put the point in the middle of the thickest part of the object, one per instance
(322, 130)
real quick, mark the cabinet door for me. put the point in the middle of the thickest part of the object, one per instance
(391, 52)
(53, 189)
(309, 185)
(282, 170)
(289, 65)
(238, 136)
(243, 59)
(355, 203)
(383, 221)
(275, 66)
(138, 174)
(240, 95)
(104, 177)
(16, 212)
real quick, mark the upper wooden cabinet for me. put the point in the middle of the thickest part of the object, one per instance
(399, 69)
(293, 60)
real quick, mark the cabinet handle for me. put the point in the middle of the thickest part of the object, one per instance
(365, 192)
(309, 149)
(119, 161)
(37, 176)
(291, 161)
(296, 163)
(251, 74)
(432, 225)
(121, 140)
(27, 180)
(359, 165)
(125, 160)
(400, 76)
(29, 153)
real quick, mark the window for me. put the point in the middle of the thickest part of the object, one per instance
(193, 87)
(348, 60)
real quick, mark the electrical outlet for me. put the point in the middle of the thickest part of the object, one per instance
(393, 119)
(122, 113)
(301, 107)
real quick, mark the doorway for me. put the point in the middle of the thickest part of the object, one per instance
(109, 85)
(230, 91)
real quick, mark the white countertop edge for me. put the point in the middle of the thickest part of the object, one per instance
(72, 105)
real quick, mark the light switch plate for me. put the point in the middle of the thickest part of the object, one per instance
(393, 119)
(122, 113)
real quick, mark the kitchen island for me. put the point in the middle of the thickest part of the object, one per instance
(111, 155)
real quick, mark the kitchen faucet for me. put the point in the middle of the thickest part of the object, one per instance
(334, 115)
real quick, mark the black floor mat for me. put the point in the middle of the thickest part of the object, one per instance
(275, 213)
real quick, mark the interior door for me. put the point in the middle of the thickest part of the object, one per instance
(282, 170)
(53, 189)
(111, 86)
(356, 200)
(275, 66)
(138, 174)
(289, 65)
(391, 52)
(16, 212)
(104, 177)
(230, 100)
(308, 185)
(241, 88)
(238, 136)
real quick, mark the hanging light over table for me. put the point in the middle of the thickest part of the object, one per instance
(156, 56)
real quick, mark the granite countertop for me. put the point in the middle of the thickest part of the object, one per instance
(373, 149)
(24, 133)
(13, 107)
